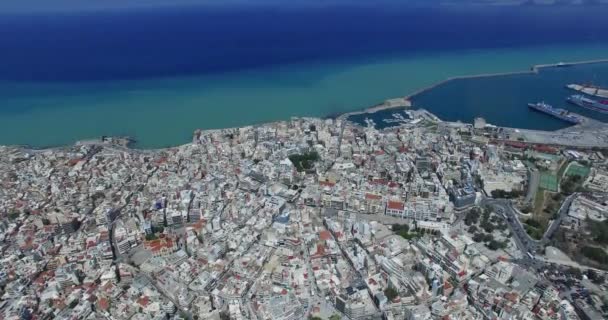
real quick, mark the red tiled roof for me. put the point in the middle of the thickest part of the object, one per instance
(327, 183)
(103, 304)
(545, 148)
(371, 196)
(395, 205)
(324, 235)
(515, 144)
(143, 301)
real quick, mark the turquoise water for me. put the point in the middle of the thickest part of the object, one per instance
(165, 111)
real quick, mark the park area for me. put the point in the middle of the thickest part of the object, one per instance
(575, 169)
(553, 188)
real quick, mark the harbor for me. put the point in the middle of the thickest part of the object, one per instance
(503, 98)
(562, 118)
(533, 70)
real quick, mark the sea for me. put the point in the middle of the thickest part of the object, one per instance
(158, 74)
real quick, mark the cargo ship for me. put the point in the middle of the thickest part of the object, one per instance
(584, 102)
(561, 114)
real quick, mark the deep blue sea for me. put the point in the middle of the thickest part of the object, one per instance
(158, 74)
(502, 100)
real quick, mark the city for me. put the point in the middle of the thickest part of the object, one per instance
(308, 219)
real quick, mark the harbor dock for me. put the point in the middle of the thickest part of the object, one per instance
(407, 100)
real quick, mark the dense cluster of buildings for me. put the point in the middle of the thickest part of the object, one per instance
(280, 221)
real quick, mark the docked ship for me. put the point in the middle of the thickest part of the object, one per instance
(561, 114)
(589, 89)
(584, 102)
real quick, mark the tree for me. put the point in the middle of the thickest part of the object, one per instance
(472, 217)
(487, 227)
(595, 254)
(575, 273)
(304, 161)
(400, 227)
(533, 223)
(76, 224)
(495, 245)
(502, 194)
(478, 237)
(527, 209)
(151, 237)
(599, 230)
(473, 229)
(13, 215)
(391, 293)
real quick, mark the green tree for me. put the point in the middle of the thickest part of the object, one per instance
(304, 161)
(599, 230)
(495, 245)
(472, 217)
(391, 293)
(14, 215)
(478, 237)
(595, 254)
(533, 223)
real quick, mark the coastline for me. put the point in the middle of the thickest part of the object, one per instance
(535, 69)
(388, 104)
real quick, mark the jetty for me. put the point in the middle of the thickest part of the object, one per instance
(537, 67)
(533, 70)
(388, 104)
(407, 100)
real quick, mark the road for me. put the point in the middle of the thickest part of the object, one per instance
(533, 182)
(522, 239)
(562, 213)
(185, 312)
(527, 244)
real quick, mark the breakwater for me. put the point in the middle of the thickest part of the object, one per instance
(533, 70)
(407, 102)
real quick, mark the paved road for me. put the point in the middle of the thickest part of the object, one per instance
(522, 239)
(563, 212)
(533, 182)
(527, 244)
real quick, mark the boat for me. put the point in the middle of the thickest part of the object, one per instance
(561, 114)
(589, 89)
(587, 103)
